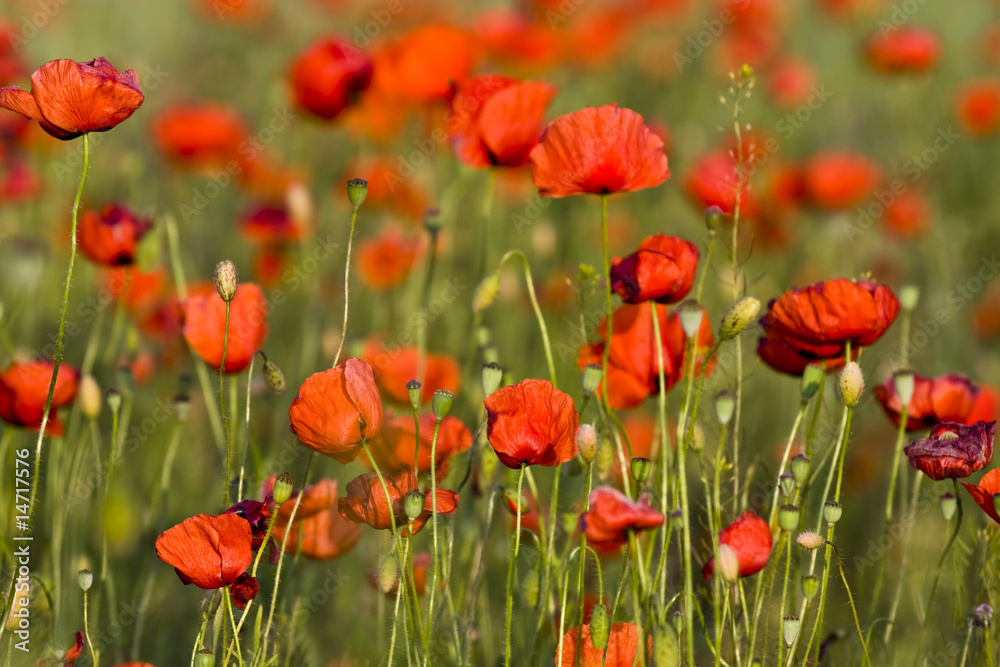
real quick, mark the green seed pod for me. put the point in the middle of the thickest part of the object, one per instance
(832, 511)
(530, 588)
(810, 586)
(357, 190)
(691, 315)
(787, 484)
(713, 218)
(85, 578)
(413, 504)
(801, 466)
(790, 627)
(666, 646)
(904, 382)
(788, 518)
(492, 375)
(283, 485)
(812, 377)
(441, 403)
(599, 629)
(204, 658)
(948, 505)
(413, 391)
(640, 469)
(114, 399)
(592, 374)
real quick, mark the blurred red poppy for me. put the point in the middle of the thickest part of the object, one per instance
(421, 65)
(393, 368)
(324, 534)
(840, 180)
(662, 270)
(139, 292)
(269, 224)
(507, 35)
(948, 398)
(750, 538)
(18, 181)
(712, 182)
(68, 98)
(197, 136)
(598, 150)
(110, 238)
(328, 76)
(622, 649)
(984, 492)
(394, 448)
(818, 321)
(790, 82)
(336, 410)
(906, 50)
(908, 215)
(978, 107)
(531, 423)
(953, 450)
(205, 325)
(613, 515)
(985, 407)
(207, 551)
(496, 121)
(24, 388)
(366, 502)
(385, 260)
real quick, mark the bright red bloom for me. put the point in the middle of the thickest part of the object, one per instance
(205, 325)
(712, 182)
(324, 533)
(496, 121)
(790, 82)
(774, 352)
(337, 409)
(421, 65)
(328, 76)
(393, 449)
(598, 150)
(840, 180)
(197, 136)
(139, 292)
(269, 225)
(818, 321)
(978, 107)
(24, 388)
(908, 215)
(79, 641)
(111, 237)
(983, 492)
(623, 646)
(948, 398)
(366, 502)
(612, 515)
(985, 407)
(661, 270)
(207, 551)
(953, 450)
(531, 423)
(750, 538)
(384, 261)
(68, 98)
(394, 368)
(907, 50)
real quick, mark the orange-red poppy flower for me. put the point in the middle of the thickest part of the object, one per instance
(661, 270)
(336, 410)
(205, 325)
(784, 359)
(421, 65)
(68, 98)
(622, 648)
(983, 493)
(328, 76)
(496, 120)
(712, 181)
(598, 150)
(394, 367)
(985, 407)
(531, 423)
(750, 538)
(394, 448)
(978, 107)
(384, 261)
(73, 652)
(908, 215)
(421, 566)
(633, 361)
(790, 82)
(509, 36)
(24, 388)
(366, 501)
(197, 136)
(953, 450)
(818, 321)
(323, 532)
(19, 181)
(613, 515)
(269, 224)
(948, 398)
(907, 50)
(840, 180)
(110, 238)
(139, 292)
(207, 551)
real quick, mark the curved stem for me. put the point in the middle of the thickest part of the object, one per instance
(347, 284)
(538, 311)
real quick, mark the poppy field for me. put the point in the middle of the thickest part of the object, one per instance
(346, 333)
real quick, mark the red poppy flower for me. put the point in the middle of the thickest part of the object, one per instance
(985, 407)
(243, 590)
(983, 492)
(661, 270)
(612, 515)
(948, 398)
(496, 121)
(197, 136)
(790, 82)
(819, 320)
(421, 65)
(393, 449)
(978, 107)
(622, 649)
(328, 75)
(269, 224)
(908, 215)
(24, 388)
(531, 423)
(750, 538)
(840, 180)
(395, 367)
(337, 409)
(72, 653)
(597, 150)
(324, 534)
(384, 261)
(712, 182)
(907, 50)
(68, 98)
(784, 359)
(139, 292)
(365, 501)
(207, 551)
(509, 36)
(633, 361)
(953, 450)
(111, 237)
(205, 325)
(18, 180)
(421, 566)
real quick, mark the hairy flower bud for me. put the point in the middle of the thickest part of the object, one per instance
(273, 376)
(226, 280)
(592, 374)
(89, 395)
(742, 313)
(852, 384)
(691, 314)
(728, 563)
(586, 441)
(486, 292)
(725, 405)
(599, 626)
(904, 382)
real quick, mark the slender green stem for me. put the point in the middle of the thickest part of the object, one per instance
(607, 294)
(511, 568)
(246, 434)
(86, 632)
(854, 610)
(626, 562)
(940, 566)
(486, 212)
(900, 436)
(435, 557)
(661, 410)
(222, 408)
(538, 311)
(347, 284)
(232, 622)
